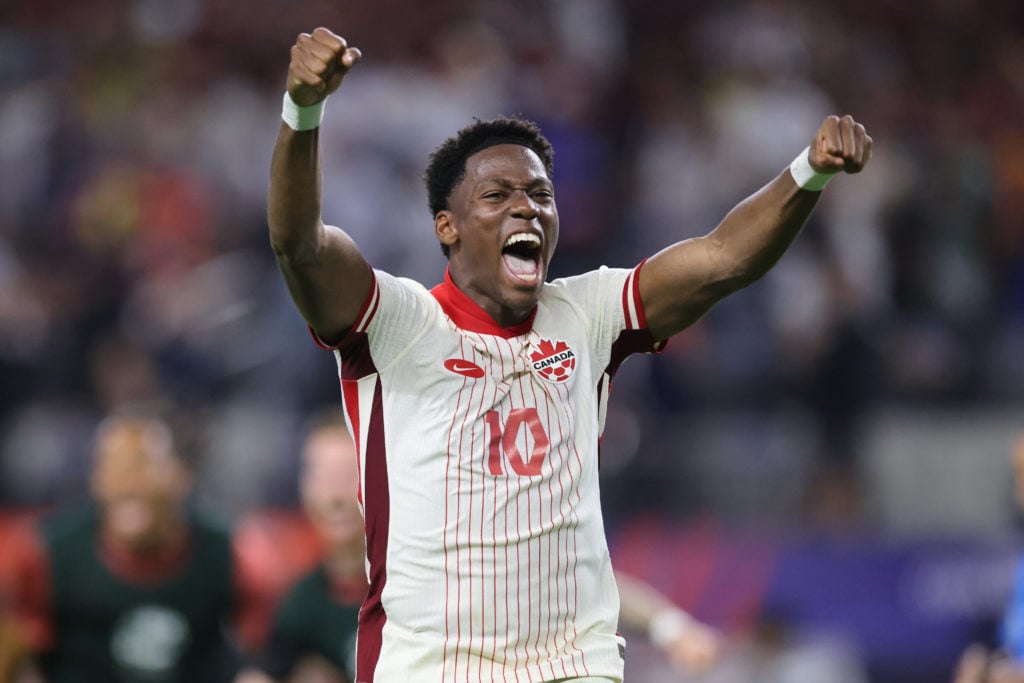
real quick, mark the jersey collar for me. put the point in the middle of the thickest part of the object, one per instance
(465, 312)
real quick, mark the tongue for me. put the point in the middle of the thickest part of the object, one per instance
(522, 268)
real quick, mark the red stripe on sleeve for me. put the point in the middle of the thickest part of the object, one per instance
(350, 394)
(637, 302)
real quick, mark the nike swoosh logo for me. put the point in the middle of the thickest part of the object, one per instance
(461, 366)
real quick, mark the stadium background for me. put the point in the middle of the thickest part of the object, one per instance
(825, 454)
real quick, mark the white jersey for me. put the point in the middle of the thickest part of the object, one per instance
(478, 451)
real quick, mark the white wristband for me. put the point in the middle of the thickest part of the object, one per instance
(301, 118)
(668, 625)
(804, 174)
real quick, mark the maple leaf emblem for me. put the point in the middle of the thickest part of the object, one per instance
(553, 361)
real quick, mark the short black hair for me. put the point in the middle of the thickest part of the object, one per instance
(447, 165)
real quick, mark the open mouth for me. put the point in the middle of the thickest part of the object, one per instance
(521, 254)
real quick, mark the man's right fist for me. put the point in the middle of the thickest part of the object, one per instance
(320, 61)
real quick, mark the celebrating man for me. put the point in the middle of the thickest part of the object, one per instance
(477, 406)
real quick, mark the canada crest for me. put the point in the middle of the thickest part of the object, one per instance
(553, 361)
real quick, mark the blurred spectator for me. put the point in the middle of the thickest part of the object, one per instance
(978, 665)
(135, 585)
(314, 632)
(1005, 664)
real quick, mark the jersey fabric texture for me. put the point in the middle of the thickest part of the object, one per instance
(110, 630)
(478, 452)
(312, 620)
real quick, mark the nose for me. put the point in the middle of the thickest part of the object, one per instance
(523, 206)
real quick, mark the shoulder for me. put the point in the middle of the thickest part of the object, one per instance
(68, 522)
(601, 294)
(394, 300)
(388, 283)
(309, 595)
(593, 280)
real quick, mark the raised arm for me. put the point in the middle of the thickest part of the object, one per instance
(325, 272)
(681, 283)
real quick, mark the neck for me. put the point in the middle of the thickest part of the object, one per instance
(469, 310)
(152, 563)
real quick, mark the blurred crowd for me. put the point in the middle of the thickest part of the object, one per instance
(135, 138)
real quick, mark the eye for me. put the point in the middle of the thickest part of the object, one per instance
(543, 194)
(494, 195)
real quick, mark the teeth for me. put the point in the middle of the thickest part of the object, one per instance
(523, 237)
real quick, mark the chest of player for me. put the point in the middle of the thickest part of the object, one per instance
(537, 363)
(507, 405)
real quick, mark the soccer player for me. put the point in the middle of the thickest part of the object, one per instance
(314, 632)
(477, 406)
(134, 585)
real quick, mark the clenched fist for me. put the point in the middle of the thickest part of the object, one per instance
(841, 144)
(320, 61)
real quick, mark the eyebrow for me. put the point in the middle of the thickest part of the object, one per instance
(504, 182)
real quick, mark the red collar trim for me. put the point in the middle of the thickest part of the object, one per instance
(145, 569)
(465, 312)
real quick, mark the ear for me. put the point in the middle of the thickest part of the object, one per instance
(444, 228)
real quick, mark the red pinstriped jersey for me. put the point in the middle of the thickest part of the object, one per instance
(478, 451)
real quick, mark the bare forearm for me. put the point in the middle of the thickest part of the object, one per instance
(294, 201)
(755, 234)
(681, 283)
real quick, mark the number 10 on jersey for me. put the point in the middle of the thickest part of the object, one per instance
(502, 445)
